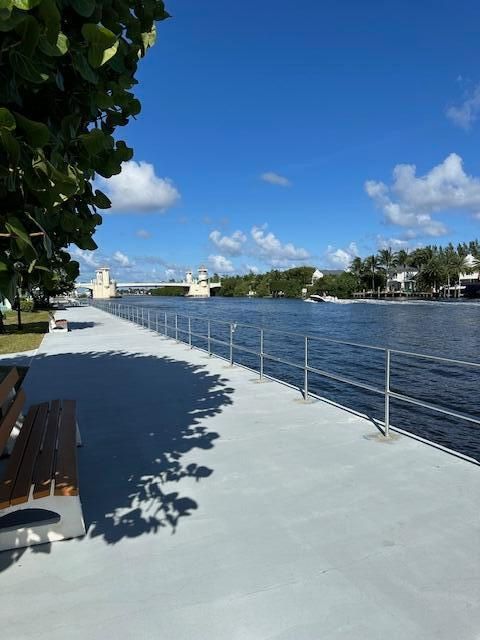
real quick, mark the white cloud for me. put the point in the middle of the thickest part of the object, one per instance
(275, 178)
(170, 273)
(411, 200)
(341, 258)
(88, 258)
(220, 264)
(268, 247)
(122, 259)
(138, 190)
(392, 243)
(467, 112)
(143, 233)
(231, 245)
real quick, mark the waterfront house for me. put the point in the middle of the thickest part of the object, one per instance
(403, 279)
(470, 276)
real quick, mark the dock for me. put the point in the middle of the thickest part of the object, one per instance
(219, 508)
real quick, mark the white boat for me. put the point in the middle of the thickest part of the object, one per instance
(316, 298)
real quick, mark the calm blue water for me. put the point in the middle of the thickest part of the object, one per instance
(448, 329)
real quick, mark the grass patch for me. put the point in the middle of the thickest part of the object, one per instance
(35, 325)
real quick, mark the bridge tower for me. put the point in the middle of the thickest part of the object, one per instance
(102, 285)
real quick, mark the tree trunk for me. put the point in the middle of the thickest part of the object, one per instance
(2, 326)
(19, 312)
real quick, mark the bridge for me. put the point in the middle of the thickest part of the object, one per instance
(102, 286)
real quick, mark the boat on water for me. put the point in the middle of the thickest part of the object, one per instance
(317, 298)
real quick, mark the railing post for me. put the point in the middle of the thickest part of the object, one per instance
(190, 332)
(166, 325)
(148, 318)
(156, 321)
(209, 346)
(387, 393)
(142, 318)
(261, 354)
(176, 327)
(305, 382)
(232, 329)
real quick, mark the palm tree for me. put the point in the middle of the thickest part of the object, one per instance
(356, 268)
(371, 265)
(431, 274)
(387, 259)
(454, 265)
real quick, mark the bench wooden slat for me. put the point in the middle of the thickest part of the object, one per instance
(11, 418)
(23, 482)
(7, 384)
(42, 476)
(66, 474)
(10, 475)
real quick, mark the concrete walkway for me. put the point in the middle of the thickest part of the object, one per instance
(218, 508)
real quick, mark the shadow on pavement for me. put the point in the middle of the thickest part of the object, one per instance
(139, 417)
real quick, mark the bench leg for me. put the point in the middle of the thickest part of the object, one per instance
(79, 436)
(41, 521)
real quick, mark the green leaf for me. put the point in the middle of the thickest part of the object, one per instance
(69, 222)
(26, 68)
(37, 133)
(7, 121)
(16, 228)
(9, 22)
(149, 38)
(104, 100)
(50, 15)
(96, 141)
(134, 107)
(101, 201)
(6, 7)
(29, 30)
(83, 7)
(84, 69)
(10, 145)
(25, 5)
(86, 243)
(60, 48)
(103, 44)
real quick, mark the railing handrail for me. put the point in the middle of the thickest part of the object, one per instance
(133, 312)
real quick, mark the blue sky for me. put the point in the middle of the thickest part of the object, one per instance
(282, 133)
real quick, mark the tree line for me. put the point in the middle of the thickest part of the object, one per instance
(429, 268)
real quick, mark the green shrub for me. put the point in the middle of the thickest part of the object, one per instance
(26, 305)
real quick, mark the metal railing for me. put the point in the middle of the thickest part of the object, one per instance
(158, 321)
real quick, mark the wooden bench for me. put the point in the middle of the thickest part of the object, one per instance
(39, 495)
(56, 326)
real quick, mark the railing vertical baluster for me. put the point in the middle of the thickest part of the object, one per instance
(261, 353)
(148, 318)
(305, 382)
(166, 325)
(231, 343)
(156, 320)
(176, 327)
(387, 393)
(143, 323)
(209, 345)
(190, 332)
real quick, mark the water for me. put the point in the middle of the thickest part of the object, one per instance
(448, 329)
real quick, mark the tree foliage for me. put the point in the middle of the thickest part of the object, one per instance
(67, 68)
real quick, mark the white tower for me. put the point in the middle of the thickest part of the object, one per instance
(189, 277)
(202, 275)
(102, 285)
